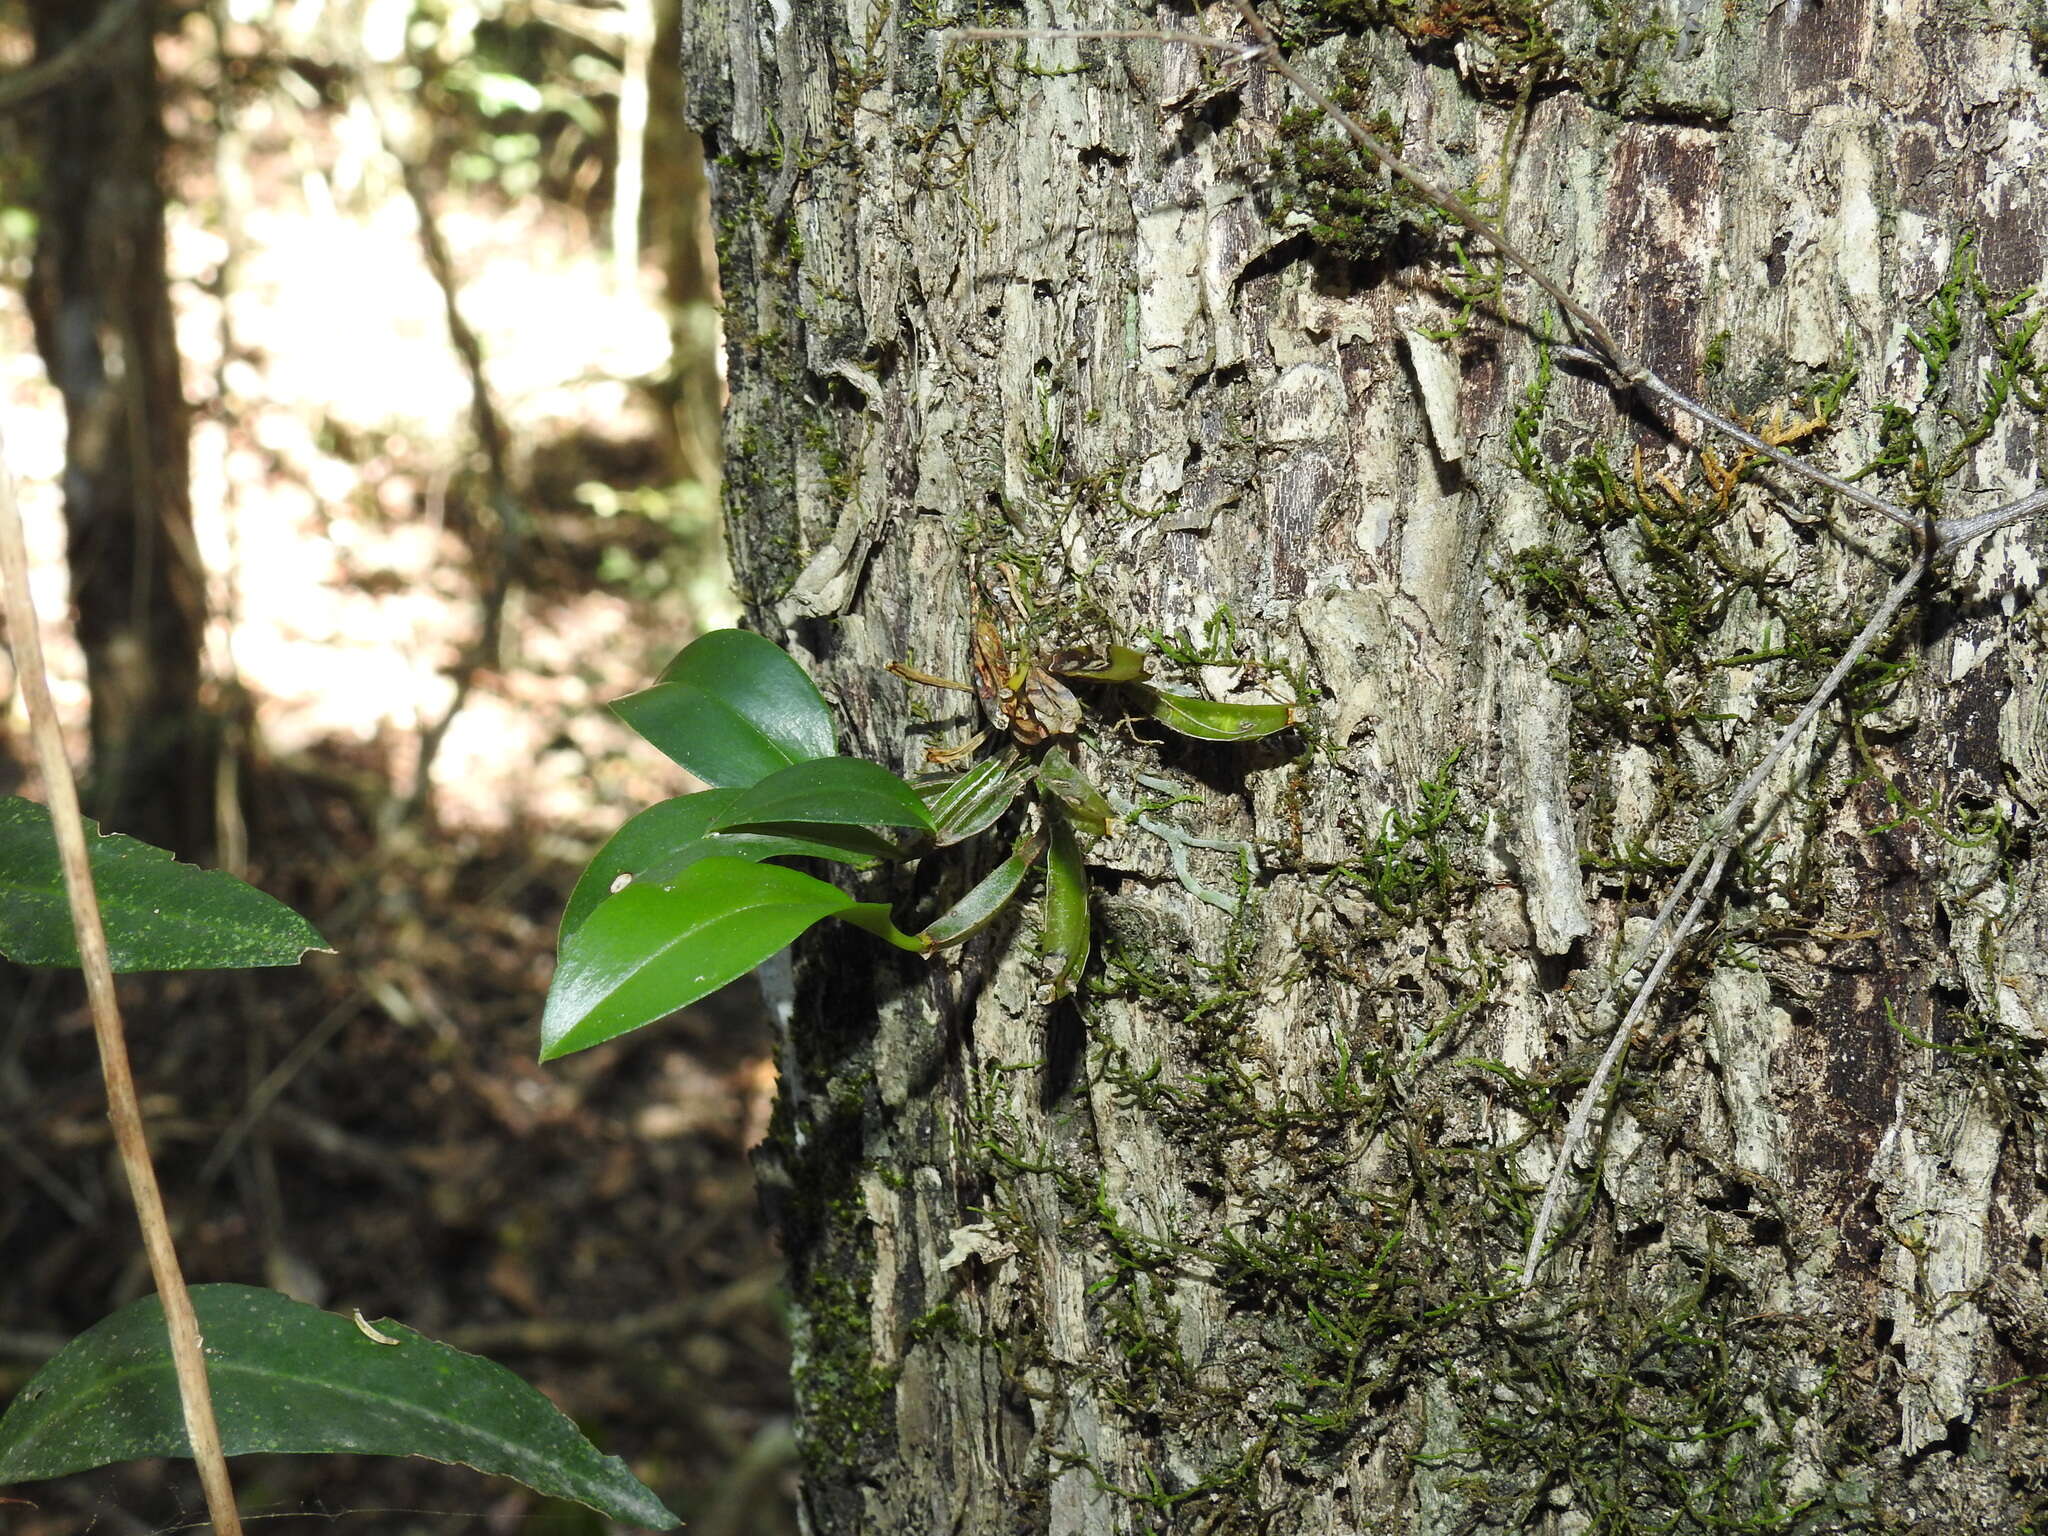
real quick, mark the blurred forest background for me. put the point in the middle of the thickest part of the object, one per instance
(358, 363)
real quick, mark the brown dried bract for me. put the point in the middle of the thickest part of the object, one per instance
(1019, 695)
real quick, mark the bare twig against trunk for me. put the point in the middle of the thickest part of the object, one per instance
(86, 52)
(485, 421)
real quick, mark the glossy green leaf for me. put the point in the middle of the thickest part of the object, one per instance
(834, 791)
(289, 1377)
(667, 838)
(159, 915)
(659, 832)
(848, 844)
(964, 804)
(876, 918)
(1122, 665)
(732, 708)
(1064, 940)
(1089, 811)
(654, 948)
(993, 892)
(1206, 720)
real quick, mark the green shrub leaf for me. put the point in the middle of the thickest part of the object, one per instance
(1065, 937)
(160, 915)
(289, 1377)
(732, 708)
(653, 948)
(667, 838)
(833, 791)
(1206, 720)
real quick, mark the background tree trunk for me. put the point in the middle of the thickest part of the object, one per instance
(102, 313)
(1232, 1243)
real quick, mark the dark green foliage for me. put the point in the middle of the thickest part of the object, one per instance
(1922, 449)
(159, 915)
(289, 1377)
(1355, 214)
(1409, 866)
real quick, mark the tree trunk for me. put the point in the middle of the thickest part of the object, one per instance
(1232, 1242)
(102, 313)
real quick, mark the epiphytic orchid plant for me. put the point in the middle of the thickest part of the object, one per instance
(686, 896)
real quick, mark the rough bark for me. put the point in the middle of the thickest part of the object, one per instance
(1230, 1243)
(101, 305)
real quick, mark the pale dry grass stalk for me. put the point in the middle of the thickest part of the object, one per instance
(124, 1110)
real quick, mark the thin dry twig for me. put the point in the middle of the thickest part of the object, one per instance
(1713, 855)
(1951, 533)
(83, 54)
(124, 1110)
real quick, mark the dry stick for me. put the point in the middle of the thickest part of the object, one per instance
(1951, 533)
(124, 1112)
(1717, 849)
(84, 53)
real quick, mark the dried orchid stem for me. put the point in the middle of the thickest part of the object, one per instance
(124, 1110)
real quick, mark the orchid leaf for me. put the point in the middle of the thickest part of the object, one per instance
(1065, 938)
(1207, 720)
(654, 948)
(965, 804)
(1120, 665)
(833, 791)
(732, 708)
(1083, 801)
(993, 892)
(667, 838)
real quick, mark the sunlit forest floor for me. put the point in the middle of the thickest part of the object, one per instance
(371, 1130)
